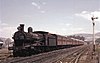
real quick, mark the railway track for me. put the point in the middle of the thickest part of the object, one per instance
(83, 56)
(73, 57)
(4, 54)
(49, 57)
(58, 57)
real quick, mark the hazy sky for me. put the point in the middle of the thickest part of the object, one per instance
(62, 17)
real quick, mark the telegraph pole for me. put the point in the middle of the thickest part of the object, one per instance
(93, 31)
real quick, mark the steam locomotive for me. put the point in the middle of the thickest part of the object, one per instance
(28, 43)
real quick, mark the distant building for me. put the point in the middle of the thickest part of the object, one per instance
(1, 43)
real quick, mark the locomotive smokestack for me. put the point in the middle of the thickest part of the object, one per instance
(22, 27)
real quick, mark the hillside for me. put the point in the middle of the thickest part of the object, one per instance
(88, 37)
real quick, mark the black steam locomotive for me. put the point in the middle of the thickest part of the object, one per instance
(28, 43)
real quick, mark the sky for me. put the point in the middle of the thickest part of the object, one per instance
(63, 17)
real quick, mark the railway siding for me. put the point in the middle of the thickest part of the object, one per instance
(73, 58)
(91, 56)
